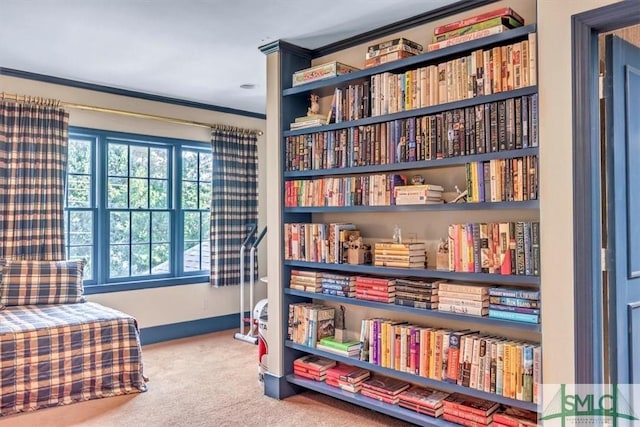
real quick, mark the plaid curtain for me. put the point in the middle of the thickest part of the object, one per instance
(33, 160)
(234, 203)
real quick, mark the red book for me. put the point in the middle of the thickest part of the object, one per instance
(474, 405)
(308, 375)
(504, 11)
(375, 281)
(514, 417)
(424, 397)
(386, 385)
(463, 422)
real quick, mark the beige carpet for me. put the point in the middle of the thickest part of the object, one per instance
(209, 380)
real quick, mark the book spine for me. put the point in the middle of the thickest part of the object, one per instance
(466, 289)
(517, 317)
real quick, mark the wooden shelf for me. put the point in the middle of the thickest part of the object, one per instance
(434, 314)
(415, 379)
(498, 279)
(414, 61)
(367, 402)
(422, 164)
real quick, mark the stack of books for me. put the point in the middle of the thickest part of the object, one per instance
(423, 400)
(347, 349)
(384, 389)
(308, 281)
(467, 410)
(379, 289)
(514, 417)
(391, 50)
(341, 285)
(310, 120)
(463, 299)
(418, 194)
(312, 367)
(346, 377)
(520, 305)
(417, 293)
(475, 27)
(404, 255)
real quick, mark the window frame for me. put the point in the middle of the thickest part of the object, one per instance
(100, 139)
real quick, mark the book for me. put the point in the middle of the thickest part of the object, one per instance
(387, 57)
(515, 417)
(308, 117)
(412, 246)
(424, 396)
(385, 385)
(504, 11)
(401, 47)
(320, 72)
(313, 362)
(474, 405)
(307, 123)
(517, 317)
(394, 42)
(467, 37)
(506, 20)
(346, 346)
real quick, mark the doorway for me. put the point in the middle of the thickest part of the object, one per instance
(595, 257)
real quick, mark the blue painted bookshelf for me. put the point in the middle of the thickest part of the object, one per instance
(293, 103)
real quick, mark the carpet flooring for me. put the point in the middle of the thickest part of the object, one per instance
(208, 380)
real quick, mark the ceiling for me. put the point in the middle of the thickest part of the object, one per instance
(193, 50)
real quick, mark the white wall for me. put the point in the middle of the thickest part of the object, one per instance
(556, 184)
(159, 306)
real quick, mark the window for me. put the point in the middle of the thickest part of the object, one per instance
(121, 214)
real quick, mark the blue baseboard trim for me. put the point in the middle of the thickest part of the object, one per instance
(155, 334)
(278, 387)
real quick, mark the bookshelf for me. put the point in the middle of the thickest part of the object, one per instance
(293, 103)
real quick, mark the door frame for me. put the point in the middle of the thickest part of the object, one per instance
(586, 26)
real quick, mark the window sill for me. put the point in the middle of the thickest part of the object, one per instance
(143, 284)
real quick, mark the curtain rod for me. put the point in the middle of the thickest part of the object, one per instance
(54, 103)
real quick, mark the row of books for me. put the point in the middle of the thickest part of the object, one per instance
(482, 72)
(492, 364)
(455, 407)
(519, 305)
(496, 248)
(502, 180)
(359, 190)
(491, 127)
(316, 242)
(308, 323)
(350, 103)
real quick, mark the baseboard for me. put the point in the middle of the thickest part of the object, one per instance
(155, 334)
(278, 387)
